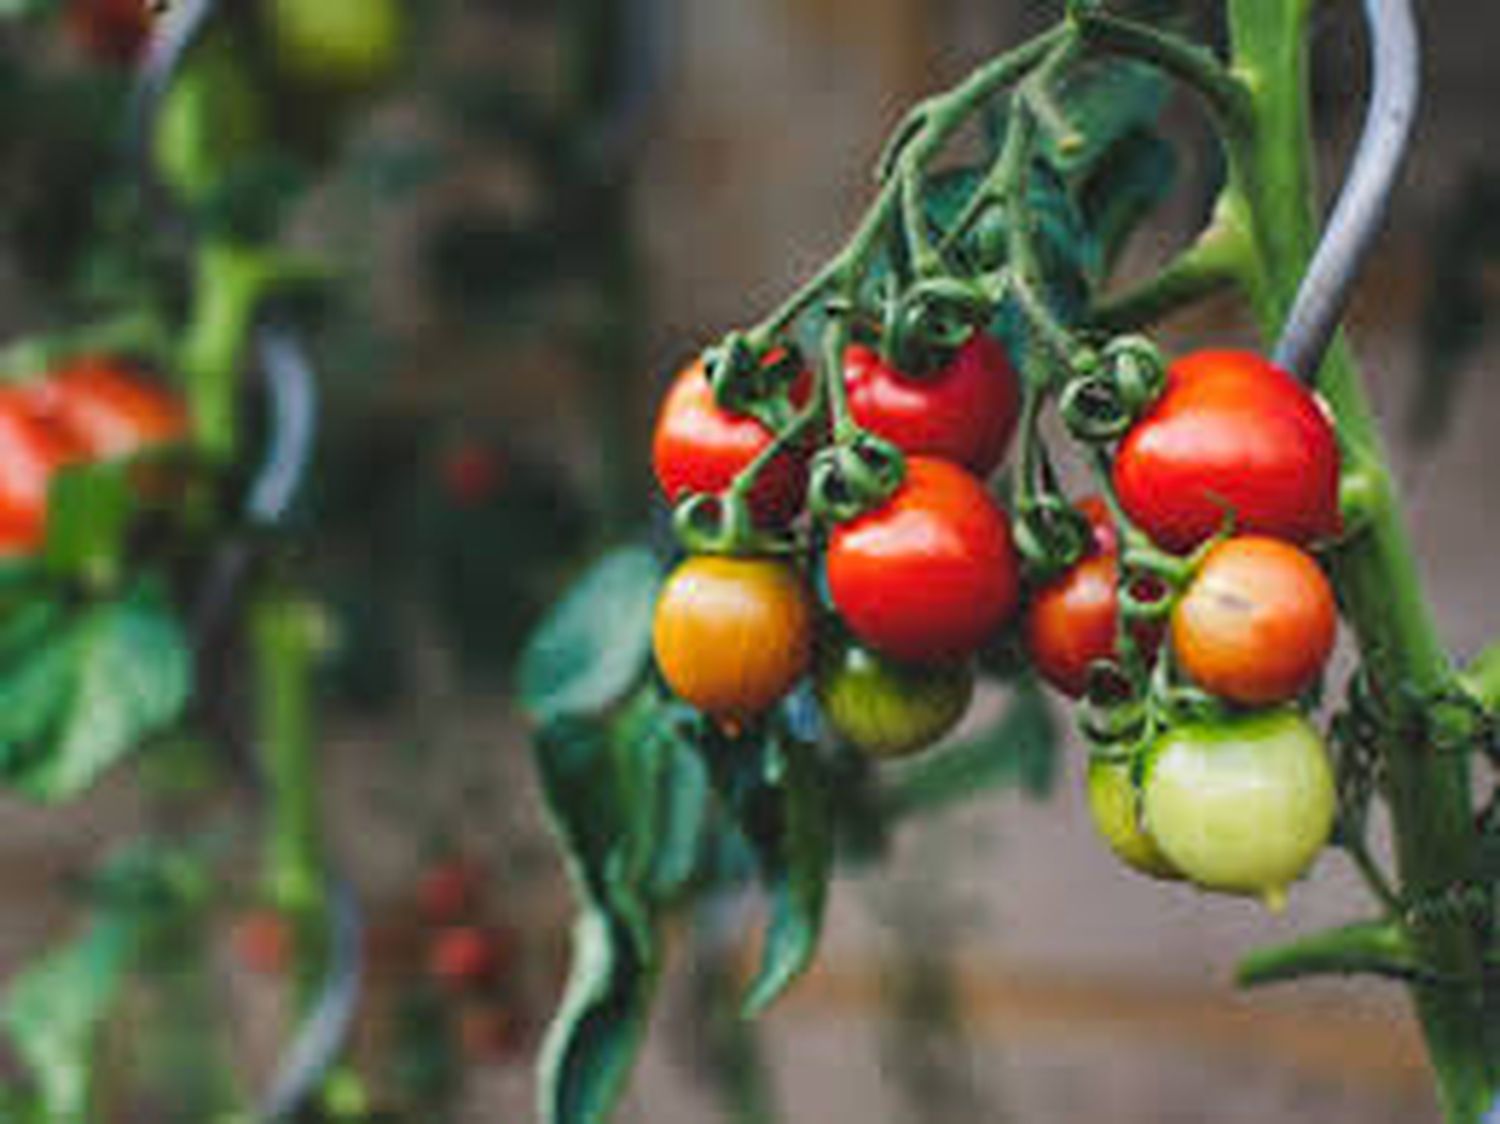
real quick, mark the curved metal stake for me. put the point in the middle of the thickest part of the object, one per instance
(1395, 50)
(321, 1038)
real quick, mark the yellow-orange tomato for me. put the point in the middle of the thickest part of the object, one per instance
(1257, 622)
(732, 635)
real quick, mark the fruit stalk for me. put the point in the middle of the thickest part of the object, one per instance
(1271, 193)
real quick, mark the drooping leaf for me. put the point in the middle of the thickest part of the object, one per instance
(80, 690)
(595, 644)
(598, 790)
(1019, 751)
(1105, 103)
(54, 1009)
(1131, 180)
(773, 787)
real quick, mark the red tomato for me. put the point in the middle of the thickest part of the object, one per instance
(110, 31)
(932, 573)
(1072, 623)
(473, 473)
(450, 891)
(699, 447)
(1231, 434)
(32, 450)
(109, 410)
(1257, 623)
(965, 411)
(463, 958)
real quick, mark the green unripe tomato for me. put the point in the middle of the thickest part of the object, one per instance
(1116, 809)
(344, 46)
(888, 709)
(212, 118)
(1242, 804)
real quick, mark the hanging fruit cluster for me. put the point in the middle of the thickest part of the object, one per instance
(839, 527)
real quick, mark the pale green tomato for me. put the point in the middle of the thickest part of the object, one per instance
(212, 119)
(1115, 807)
(1242, 805)
(888, 709)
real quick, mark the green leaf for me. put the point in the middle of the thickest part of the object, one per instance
(774, 789)
(80, 692)
(596, 784)
(1131, 181)
(54, 1009)
(1019, 751)
(1106, 103)
(596, 643)
(89, 509)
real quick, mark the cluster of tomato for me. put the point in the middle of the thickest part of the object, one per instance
(1232, 472)
(89, 410)
(472, 962)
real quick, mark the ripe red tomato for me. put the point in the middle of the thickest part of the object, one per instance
(699, 447)
(32, 450)
(929, 575)
(965, 411)
(1072, 623)
(1257, 623)
(450, 891)
(110, 31)
(462, 959)
(1231, 434)
(109, 410)
(733, 635)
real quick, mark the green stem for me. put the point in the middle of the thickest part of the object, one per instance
(1271, 190)
(1483, 677)
(1209, 266)
(286, 634)
(1372, 947)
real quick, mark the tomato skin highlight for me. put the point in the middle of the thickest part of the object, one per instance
(698, 447)
(1114, 807)
(733, 635)
(965, 411)
(1231, 434)
(1257, 623)
(932, 573)
(888, 709)
(1244, 804)
(109, 410)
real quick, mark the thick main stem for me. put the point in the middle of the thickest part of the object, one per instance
(1271, 192)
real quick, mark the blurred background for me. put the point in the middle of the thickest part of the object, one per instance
(554, 208)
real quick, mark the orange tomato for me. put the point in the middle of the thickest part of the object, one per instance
(1257, 623)
(732, 635)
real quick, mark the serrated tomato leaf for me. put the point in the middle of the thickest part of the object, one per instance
(774, 789)
(79, 690)
(595, 644)
(1105, 103)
